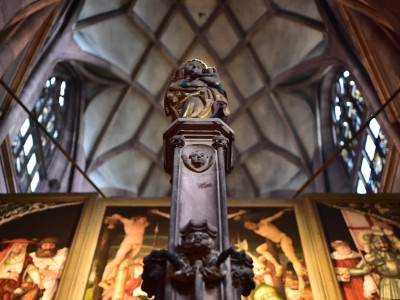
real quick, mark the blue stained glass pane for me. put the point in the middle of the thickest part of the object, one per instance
(23, 182)
(341, 86)
(37, 104)
(374, 185)
(358, 121)
(350, 164)
(50, 126)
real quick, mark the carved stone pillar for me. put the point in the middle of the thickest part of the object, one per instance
(198, 155)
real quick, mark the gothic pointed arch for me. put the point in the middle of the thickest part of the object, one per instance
(39, 164)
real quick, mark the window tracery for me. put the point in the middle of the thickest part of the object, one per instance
(32, 149)
(365, 156)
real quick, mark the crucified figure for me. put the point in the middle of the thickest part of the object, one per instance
(266, 229)
(134, 229)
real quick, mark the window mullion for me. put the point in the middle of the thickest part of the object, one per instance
(39, 149)
(8, 166)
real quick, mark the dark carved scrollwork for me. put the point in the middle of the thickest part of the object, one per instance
(196, 261)
(242, 271)
(155, 270)
(197, 254)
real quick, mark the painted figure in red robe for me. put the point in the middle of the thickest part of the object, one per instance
(352, 273)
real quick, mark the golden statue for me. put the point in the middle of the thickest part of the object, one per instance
(196, 92)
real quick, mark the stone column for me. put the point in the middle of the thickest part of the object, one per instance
(198, 155)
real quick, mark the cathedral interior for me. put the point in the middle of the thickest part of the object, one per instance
(278, 61)
(312, 85)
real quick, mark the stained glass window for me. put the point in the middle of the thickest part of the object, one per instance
(365, 156)
(32, 149)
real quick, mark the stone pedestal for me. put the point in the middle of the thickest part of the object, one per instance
(198, 154)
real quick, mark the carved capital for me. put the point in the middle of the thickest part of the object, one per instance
(177, 141)
(220, 141)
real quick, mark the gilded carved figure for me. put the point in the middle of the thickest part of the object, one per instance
(196, 92)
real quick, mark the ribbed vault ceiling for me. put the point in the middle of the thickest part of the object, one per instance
(268, 54)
